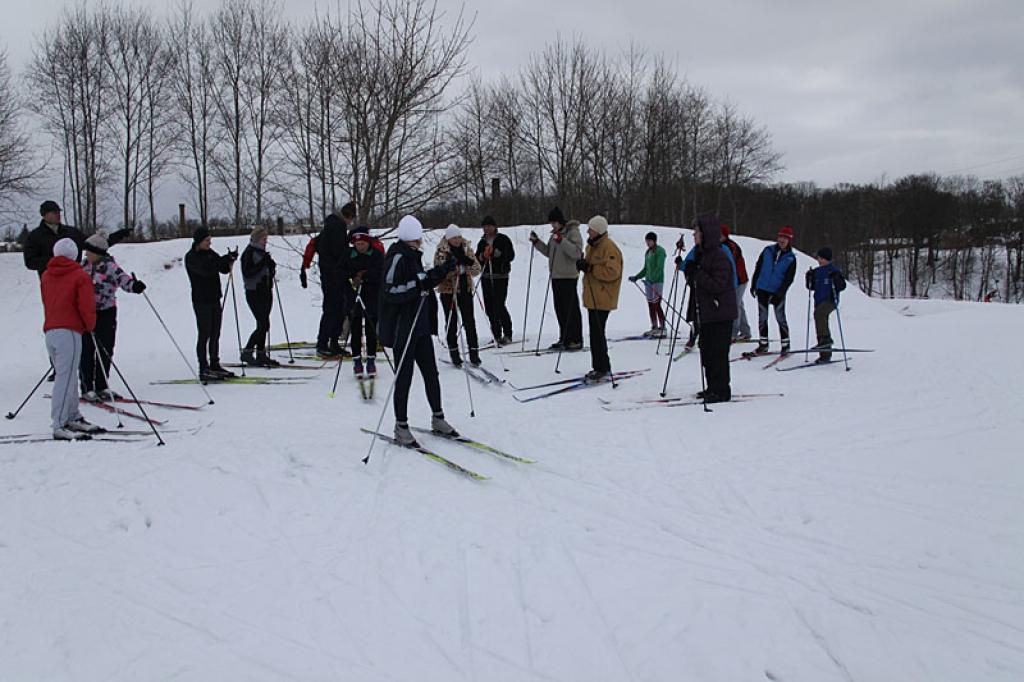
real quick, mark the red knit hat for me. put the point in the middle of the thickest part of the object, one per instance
(786, 232)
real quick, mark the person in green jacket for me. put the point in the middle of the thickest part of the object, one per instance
(653, 276)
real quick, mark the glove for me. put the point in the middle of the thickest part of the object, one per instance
(422, 283)
(357, 279)
(496, 253)
(679, 262)
(488, 252)
(809, 279)
(690, 271)
(138, 286)
(557, 237)
(534, 238)
(233, 255)
(582, 265)
(632, 278)
(680, 243)
(272, 269)
(302, 279)
(461, 256)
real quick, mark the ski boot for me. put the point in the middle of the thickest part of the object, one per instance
(108, 396)
(248, 356)
(64, 433)
(357, 367)
(403, 436)
(371, 366)
(92, 397)
(220, 373)
(596, 376)
(474, 357)
(80, 425)
(456, 358)
(442, 427)
(263, 359)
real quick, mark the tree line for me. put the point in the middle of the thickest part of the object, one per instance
(263, 118)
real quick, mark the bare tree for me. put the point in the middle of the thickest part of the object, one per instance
(232, 52)
(19, 167)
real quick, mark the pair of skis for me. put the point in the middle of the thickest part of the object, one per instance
(243, 381)
(627, 405)
(444, 461)
(367, 383)
(573, 384)
(478, 372)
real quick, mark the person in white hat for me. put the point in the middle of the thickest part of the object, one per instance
(457, 294)
(408, 318)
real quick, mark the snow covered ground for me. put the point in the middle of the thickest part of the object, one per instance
(865, 526)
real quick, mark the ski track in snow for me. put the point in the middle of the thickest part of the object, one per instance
(866, 526)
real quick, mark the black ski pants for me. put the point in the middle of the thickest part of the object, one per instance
(421, 352)
(260, 303)
(208, 319)
(567, 310)
(360, 318)
(334, 309)
(94, 371)
(715, 339)
(598, 320)
(495, 293)
(464, 305)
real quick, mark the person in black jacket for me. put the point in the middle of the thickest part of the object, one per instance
(363, 271)
(332, 248)
(408, 318)
(495, 253)
(204, 267)
(39, 245)
(258, 271)
(712, 280)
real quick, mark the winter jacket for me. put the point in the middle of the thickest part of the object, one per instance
(204, 269)
(738, 261)
(826, 281)
(465, 280)
(603, 278)
(107, 277)
(654, 266)
(405, 284)
(713, 276)
(68, 299)
(332, 247)
(562, 255)
(502, 255)
(39, 245)
(369, 267)
(308, 253)
(775, 270)
(258, 269)
(726, 250)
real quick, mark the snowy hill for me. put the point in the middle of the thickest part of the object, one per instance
(865, 526)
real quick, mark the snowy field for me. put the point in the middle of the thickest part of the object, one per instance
(868, 526)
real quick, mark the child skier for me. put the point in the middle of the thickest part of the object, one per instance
(364, 270)
(826, 281)
(653, 275)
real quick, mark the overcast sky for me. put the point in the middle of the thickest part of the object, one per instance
(850, 90)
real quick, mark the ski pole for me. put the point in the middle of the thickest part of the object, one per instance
(543, 312)
(480, 299)
(130, 391)
(671, 299)
(234, 304)
(672, 341)
(368, 321)
(529, 281)
(106, 377)
(284, 323)
(842, 339)
(459, 340)
(180, 352)
(807, 335)
(398, 369)
(12, 415)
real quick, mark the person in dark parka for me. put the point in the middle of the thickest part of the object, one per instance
(712, 278)
(496, 253)
(204, 267)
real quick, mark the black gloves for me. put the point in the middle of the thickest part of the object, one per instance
(582, 265)
(423, 283)
(632, 278)
(138, 286)
(690, 271)
(461, 257)
(679, 262)
(809, 279)
(302, 279)
(119, 236)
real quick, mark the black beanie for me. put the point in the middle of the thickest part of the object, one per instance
(48, 206)
(348, 211)
(826, 253)
(653, 237)
(488, 220)
(200, 234)
(555, 216)
(333, 221)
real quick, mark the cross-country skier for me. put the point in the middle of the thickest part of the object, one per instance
(602, 279)
(408, 318)
(563, 249)
(204, 267)
(69, 305)
(496, 253)
(258, 272)
(457, 294)
(741, 328)
(653, 275)
(826, 281)
(107, 277)
(774, 273)
(364, 270)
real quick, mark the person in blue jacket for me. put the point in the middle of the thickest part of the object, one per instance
(826, 281)
(774, 273)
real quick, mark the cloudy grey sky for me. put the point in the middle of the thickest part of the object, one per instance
(851, 90)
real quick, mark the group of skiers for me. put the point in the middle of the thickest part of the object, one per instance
(389, 297)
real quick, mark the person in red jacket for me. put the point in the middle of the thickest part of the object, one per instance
(69, 305)
(740, 328)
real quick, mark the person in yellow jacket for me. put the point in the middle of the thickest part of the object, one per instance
(601, 266)
(457, 293)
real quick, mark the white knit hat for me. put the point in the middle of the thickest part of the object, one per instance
(410, 229)
(98, 242)
(452, 232)
(66, 247)
(598, 224)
